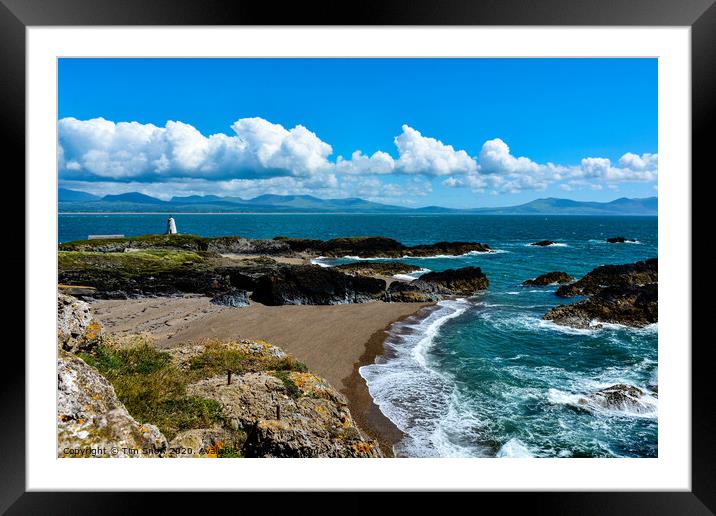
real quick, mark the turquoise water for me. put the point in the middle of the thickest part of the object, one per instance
(484, 376)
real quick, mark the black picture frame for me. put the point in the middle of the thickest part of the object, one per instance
(16, 15)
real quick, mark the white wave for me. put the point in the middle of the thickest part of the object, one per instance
(416, 398)
(412, 276)
(514, 448)
(645, 406)
(430, 257)
(420, 350)
(534, 323)
(645, 330)
(595, 241)
(319, 261)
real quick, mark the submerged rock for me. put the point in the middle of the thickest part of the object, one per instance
(619, 240)
(543, 243)
(288, 414)
(620, 397)
(549, 279)
(234, 297)
(638, 273)
(628, 305)
(92, 422)
(315, 285)
(77, 330)
(466, 281)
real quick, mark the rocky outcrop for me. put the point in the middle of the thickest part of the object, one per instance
(92, 422)
(238, 245)
(543, 243)
(630, 274)
(348, 246)
(621, 397)
(379, 247)
(315, 285)
(377, 268)
(403, 292)
(77, 330)
(630, 305)
(234, 297)
(289, 414)
(549, 278)
(619, 240)
(142, 273)
(466, 281)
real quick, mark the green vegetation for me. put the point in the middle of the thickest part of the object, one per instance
(218, 359)
(188, 242)
(151, 387)
(290, 385)
(131, 264)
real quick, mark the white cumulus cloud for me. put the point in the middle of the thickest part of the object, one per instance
(424, 155)
(131, 151)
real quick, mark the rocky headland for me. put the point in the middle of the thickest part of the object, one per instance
(169, 265)
(364, 247)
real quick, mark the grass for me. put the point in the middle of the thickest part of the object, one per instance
(154, 388)
(189, 242)
(139, 263)
(290, 385)
(218, 359)
(151, 387)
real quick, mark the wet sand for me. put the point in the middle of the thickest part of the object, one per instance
(333, 341)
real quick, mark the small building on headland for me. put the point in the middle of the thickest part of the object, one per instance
(171, 226)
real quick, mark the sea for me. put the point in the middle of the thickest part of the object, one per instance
(484, 376)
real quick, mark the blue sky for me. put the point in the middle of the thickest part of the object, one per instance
(453, 132)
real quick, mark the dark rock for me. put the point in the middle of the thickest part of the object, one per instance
(315, 285)
(619, 240)
(112, 285)
(238, 245)
(402, 292)
(620, 397)
(543, 243)
(631, 305)
(453, 282)
(374, 268)
(234, 297)
(549, 279)
(447, 248)
(379, 247)
(639, 273)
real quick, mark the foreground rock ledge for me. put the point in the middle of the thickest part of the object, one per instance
(313, 422)
(92, 422)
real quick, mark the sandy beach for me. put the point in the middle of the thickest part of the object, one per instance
(333, 341)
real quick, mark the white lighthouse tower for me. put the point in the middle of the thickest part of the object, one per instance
(171, 226)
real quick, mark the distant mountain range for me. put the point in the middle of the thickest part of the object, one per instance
(76, 201)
